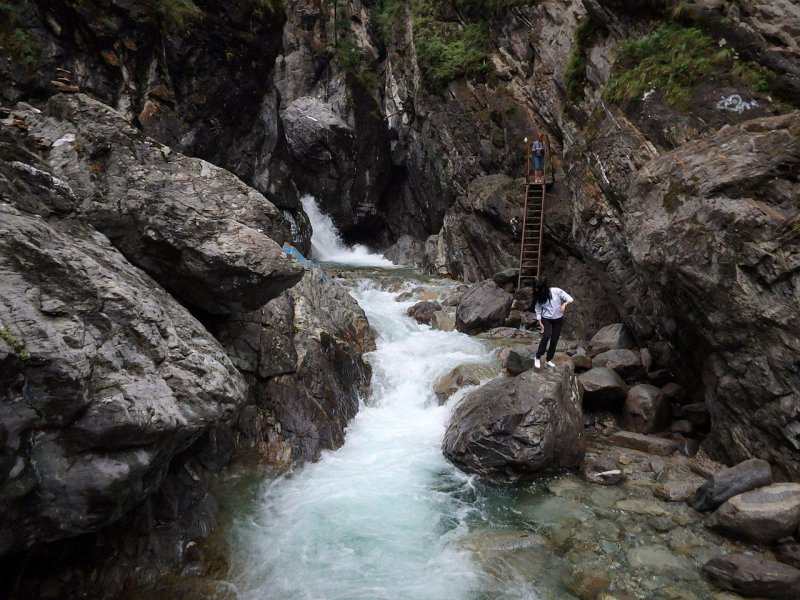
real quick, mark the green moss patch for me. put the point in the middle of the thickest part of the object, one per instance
(672, 60)
(575, 76)
(16, 345)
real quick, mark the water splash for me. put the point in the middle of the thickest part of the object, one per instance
(327, 245)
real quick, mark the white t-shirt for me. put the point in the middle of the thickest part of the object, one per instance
(552, 308)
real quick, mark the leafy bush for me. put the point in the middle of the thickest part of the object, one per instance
(673, 60)
(447, 51)
(575, 75)
(14, 39)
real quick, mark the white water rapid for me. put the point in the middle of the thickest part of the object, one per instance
(327, 245)
(378, 517)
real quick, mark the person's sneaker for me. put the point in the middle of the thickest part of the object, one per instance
(537, 363)
(551, 364)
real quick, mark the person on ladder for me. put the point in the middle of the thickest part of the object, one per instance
(549, 304)
(539, 151)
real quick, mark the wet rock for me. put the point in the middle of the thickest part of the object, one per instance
(603, 387)
(422, 312)
(304, 354)
(676, 490)
(746, 476)
(687, 446)
(519, 359)
(483, 307)
(752, 575)
(644, 443)
(789, 554)
(646, 409)
(518, 428)
(407, 251)
(657, 558)
(611, 337)
(443, 321)
(682, 426)
(627, 363)
(460, 377)
(197, 229)
(602, 471)
(764, 515)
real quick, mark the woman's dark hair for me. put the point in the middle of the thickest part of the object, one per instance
(541, 291)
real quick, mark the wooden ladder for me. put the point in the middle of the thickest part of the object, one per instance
(530, 252)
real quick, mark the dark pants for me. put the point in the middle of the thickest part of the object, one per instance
(552, 331)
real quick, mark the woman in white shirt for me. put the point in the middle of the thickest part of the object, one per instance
(549, 304)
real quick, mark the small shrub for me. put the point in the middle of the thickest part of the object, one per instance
(673, 60)
(575, 75)
(447, 51)
(17, 347)
(14, 39)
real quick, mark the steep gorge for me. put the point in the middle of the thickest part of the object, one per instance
(677, 217)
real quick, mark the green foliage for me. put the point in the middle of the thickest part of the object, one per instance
(16, 346)
(447, 50)
(382, 15)
(181, 13)
(673, 60)
(14, 39)
(352, 59)
(575, 75)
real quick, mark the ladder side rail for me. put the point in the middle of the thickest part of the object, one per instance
(541, 235)
(524, 227)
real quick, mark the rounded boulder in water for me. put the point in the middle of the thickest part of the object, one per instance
(519, 428)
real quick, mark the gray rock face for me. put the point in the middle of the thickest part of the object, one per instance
(611, 337)
(765, 515)
(752, 575)
(483, 307)
(644, 443)
(789, 554)
(198, 230)
(602, 387)
(726, 484)
(422, 312)
(111, 379)
(407, 251)
(646, 409)
(517, 428)
(519, 359)
(443, 321)
(302, 355)
(622, 360)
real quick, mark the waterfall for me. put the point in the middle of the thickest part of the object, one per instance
(327, 245)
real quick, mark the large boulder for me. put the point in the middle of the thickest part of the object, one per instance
(752, 575)
(765, 515)
(422, 312)
(303, 356)
(646, 409)
(602, 387)
(747, 475)
(483, 307)
(518, 428)
(104, 378)
(197, 229)
(611, 337)
(745, 289)
(626, 362)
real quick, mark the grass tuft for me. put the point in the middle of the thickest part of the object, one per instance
(672, 60)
